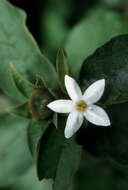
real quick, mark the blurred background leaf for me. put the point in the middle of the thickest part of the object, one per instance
(57, 20)
(103, 174)
(15, 159)
(30, 181)
(92, 32)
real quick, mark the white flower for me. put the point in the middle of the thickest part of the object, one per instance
(81, 106)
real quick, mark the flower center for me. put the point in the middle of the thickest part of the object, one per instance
(80, 105)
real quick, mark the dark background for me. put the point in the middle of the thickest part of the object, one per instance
(34, 9)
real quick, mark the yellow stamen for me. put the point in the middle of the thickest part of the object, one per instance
(84, 105)
(81, 102)
(77, 107)
(80, 105)
(82, 108)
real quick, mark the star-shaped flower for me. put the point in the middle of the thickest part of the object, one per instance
(81, 106)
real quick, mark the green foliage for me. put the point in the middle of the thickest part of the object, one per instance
(14, 155)
(5, 102)
(18, 46)
(62, 67)
(55, 156)
(110, 142)
(55, 119)
(67, 166)
(54, 29)
(30, 181)
(102, 174)
(39, 82)
(91, 33)
(109, 62)
(65, 159)
(35, 131)
(51, 144)
(114, 3)
(22, 85)
(20, 110)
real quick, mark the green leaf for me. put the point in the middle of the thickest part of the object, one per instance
(18, 46)
(91, 33)
(62, 67)
(109, 62)
(30, 181)
(55, 119)
(35, 131)
(51, 144)
(109, 142)
(65, 159)
(39, 82)
(21, 110)
(5, 102)
(23, 86)
(67, 166)
(14, 155)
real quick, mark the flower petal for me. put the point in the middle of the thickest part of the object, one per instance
(74, 122)
(61, 106)
(94, 92)
(73, 88)
(97, 115)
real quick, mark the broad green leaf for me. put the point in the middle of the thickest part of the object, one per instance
(21, 110)
(91, 33)
(65, 159)
(23, 86)
(108, 142)
(14, 154)
(62, 67)
(35, 131)
(109, 62)
(51, 144)
(18, 46)
(67, 166)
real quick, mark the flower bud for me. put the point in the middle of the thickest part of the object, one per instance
(38, 104)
